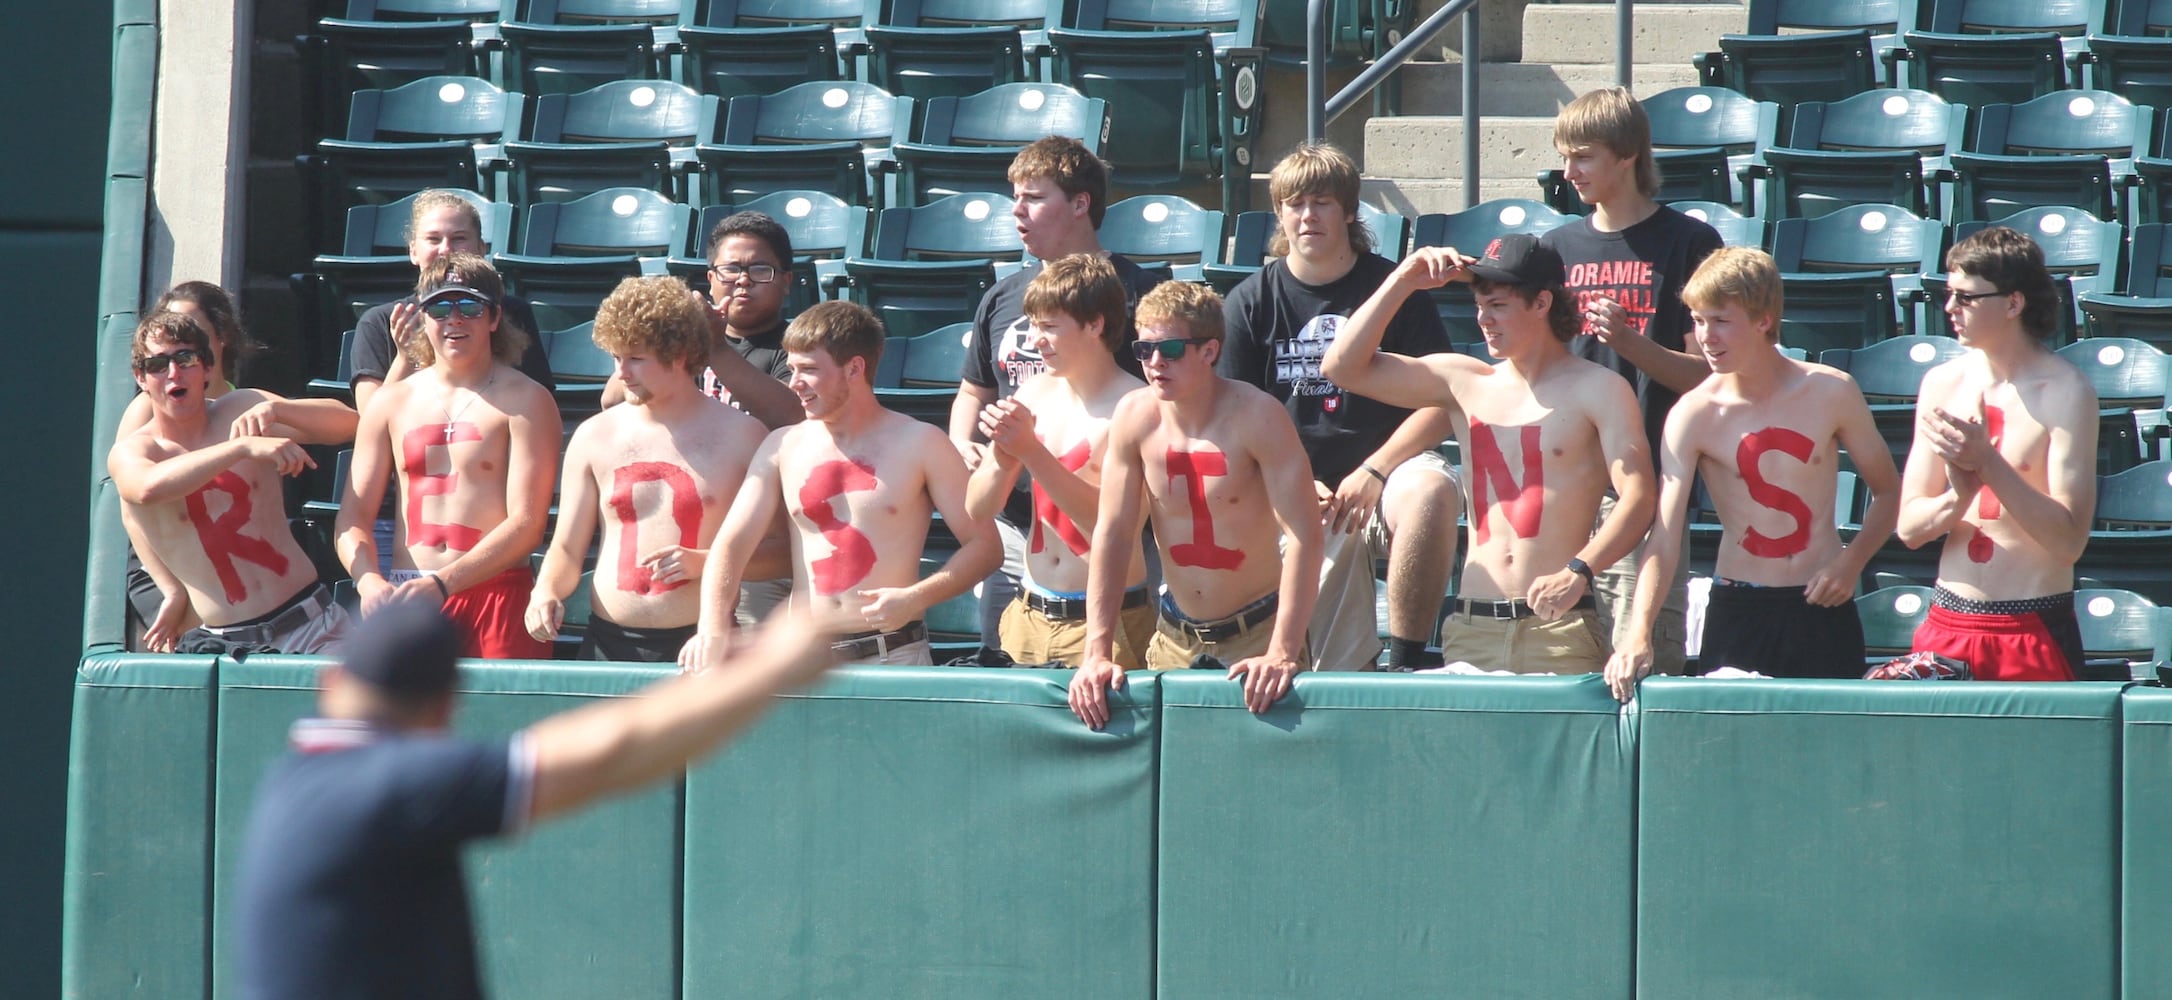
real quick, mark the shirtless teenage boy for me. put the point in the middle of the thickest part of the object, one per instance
(859, 484)
(2004, 465)
(202, 502)
(1544, 435)
(1056, 428)
(1218, 465)
(657, 472)
(474, 444)
(1765, 431)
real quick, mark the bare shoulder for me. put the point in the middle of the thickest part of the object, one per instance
(521, 396)
(1135, 411)
(1034, 387)
(1946, 376)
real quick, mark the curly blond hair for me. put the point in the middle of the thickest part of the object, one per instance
(654, 316)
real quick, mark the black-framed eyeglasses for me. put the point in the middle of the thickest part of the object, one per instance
(1171, 350)
(444, 308)
(1971, 298)
(760, 274)
(156, 364)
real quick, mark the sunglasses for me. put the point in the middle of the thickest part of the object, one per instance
(156, 364)
(1971, 298)
(1171, 350)
(760, 274)
(443, 308)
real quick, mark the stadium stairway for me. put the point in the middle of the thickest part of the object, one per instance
(1534, 59)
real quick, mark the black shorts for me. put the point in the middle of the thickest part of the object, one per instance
(608, 640)
(1773, 631)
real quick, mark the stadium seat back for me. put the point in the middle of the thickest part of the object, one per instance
(1988, 186)
(2124, 372)
(1979, 70)
(1885, 238)
(1802, 183)
(1735, 229)
(1160, 227)
(1791, 69)
(611, 222)
(2069, 121)
(1880, 120)
(1890, 617)
(570, 58)
(730, 62)
(959, 227)
(928, 62)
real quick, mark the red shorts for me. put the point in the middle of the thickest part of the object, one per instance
(493, 613)
(2042, 644)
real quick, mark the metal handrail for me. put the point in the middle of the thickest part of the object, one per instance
(1321, 109)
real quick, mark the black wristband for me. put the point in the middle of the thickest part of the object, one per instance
(442, 593)
(1580, 568)
(1375, 473)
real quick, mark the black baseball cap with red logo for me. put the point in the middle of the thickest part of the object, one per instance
(1519, 259)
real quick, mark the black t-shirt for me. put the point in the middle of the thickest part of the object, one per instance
(764, 350)
(351, 883)
(1278, 328)
(1001, 354)
(373, 350)
(1643, 268)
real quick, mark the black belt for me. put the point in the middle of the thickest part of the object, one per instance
(876, 644)
(1071, 609)
(1513, 610)
(299, 610)
(1222, 629)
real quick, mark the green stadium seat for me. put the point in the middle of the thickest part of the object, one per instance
(1164, 228)
(2128, 375)
(967, 144)
(918, 376)
(2151, 198)
(579, 368)
(2072, 20)
(730, 62)
(2124, 634)
(1820, 260)
(2065, 148)
(1978, 70)
(1471, 231)
(952, 48)
(814, 135)
(1250, 233)
(1937, 323)
(929, 266)
(2144, 311)
(619, 134)
(2138, 66)
(1890, 373)
(1701, 138)
(400, 141)
(1806, 183)
(1792, 69)
(1735, 228)
(345, 55)
(1391, 230)
(340, 383)
(1359, 31)
(2130, 541)
(1890, 616)
(473, 11)
(2081, 251)
(573, 253)
(1882, 20)
(568, 46)
(1186, 73)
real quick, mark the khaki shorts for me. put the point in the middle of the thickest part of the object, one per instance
(1346, 622)
(1575, 643)
(1031, 637)
(1615, 588)
(1173, 648)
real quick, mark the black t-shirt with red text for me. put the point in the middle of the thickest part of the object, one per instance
(1643, 268)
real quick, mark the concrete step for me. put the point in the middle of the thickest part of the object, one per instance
(1431, 146)
(1415, 197)
(1525, 89)
(1667, 33)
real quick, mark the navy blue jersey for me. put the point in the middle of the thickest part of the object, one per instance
(351, 882)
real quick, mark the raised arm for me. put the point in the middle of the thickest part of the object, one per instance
(1354, 360)
(1934, 495)
(617, 745)
(1121, 503)
(993, 477)
(306, 421)
(754, 390)
(1011, 431)
(143, 479)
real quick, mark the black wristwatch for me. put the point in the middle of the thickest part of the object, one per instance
(1580, 568)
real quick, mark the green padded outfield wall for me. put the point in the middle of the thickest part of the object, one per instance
(926, 834)
(139, 845)
(582, 908)
(56, 60)
(1387, 836)
(1839, 839)
(2145, 869)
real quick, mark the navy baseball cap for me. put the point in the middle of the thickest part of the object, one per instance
(455, 290)
(1519, 259)
(409, 648)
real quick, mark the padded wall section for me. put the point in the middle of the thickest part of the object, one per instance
(579, 908)
(1837, 839)
(139, 835)
(926, 834)
(2145, 868)
(1390, 836)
